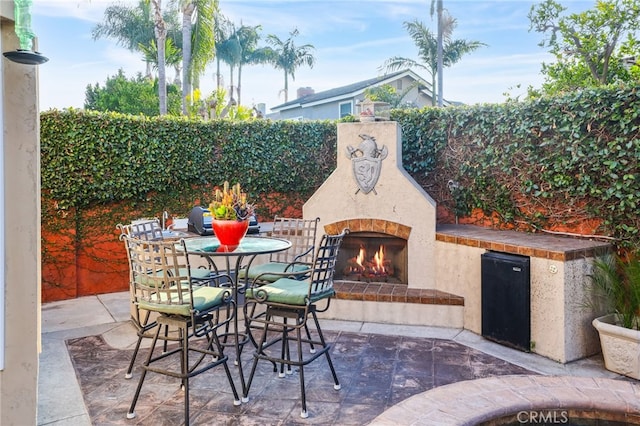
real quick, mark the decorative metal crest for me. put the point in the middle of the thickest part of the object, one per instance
(366, 160)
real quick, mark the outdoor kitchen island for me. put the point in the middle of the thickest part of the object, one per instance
(559, 284)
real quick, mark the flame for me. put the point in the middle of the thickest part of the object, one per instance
(360, 257)
(375, 265)
(378, 258)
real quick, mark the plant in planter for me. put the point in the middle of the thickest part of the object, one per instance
(230, 213)
(616, 287)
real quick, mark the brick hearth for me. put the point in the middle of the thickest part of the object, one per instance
(381, 292)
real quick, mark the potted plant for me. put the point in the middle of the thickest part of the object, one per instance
(616, 286)
(371, 110)
(230, 212)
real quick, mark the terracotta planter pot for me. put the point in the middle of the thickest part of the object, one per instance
(620, 346)
(229, 232)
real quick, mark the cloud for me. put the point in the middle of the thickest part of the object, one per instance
(359, 47)
(84, 10)
(352, 38)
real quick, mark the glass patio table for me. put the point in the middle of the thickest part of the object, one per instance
(234, 258)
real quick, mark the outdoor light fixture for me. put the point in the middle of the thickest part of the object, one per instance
(26, 54)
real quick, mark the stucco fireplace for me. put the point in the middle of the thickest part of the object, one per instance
(371, 194)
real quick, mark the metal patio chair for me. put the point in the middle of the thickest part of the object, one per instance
(302, 234)
(289, 303)
(162, 283)
(147, 230)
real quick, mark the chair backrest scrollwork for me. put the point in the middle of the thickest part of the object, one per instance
(324, 265)
(159, 274)
(145, 229)
(301, 233)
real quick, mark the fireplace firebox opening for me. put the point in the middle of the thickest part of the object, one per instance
(372, 257)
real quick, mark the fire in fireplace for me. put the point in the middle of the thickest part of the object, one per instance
(372, 257)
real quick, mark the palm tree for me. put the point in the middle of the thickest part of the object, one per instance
(440, 52)
(160, 31)
(250, 54)
(237, 47)
(196, 56)
(173, 56)
(136, 29)
(222, 32)
(288, 57)
(132, 27)
(229, 51)
(427, 43)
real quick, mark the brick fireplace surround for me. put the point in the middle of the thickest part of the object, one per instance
(382, 292)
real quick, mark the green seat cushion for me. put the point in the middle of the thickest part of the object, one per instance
(198, 273)
(146, 280)
(204, 299)
(271, 268)
(288, 291)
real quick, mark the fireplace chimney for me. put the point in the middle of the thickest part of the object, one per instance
(305, 91)
(369, 191)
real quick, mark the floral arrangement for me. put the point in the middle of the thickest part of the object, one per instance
(230, 204)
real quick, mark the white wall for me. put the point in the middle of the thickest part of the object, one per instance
(21, 182)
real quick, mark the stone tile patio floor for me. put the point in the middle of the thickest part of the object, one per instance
(390, 375)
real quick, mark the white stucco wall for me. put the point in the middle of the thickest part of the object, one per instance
(19, 379)
(458, 272)
(560, 316)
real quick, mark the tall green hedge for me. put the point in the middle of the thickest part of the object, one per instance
(545, 163)
(90, 157)
(539, 164)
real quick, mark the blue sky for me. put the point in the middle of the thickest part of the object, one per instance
(352, 40)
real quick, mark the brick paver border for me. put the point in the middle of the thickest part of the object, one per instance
(476, 401)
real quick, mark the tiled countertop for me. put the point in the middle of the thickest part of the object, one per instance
(541, 245)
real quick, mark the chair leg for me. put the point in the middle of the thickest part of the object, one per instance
(219, 358)
(249, 310)
(215, 348)
(285, 353)
(304, 413)
(249, 316)
(219, 349)
(336, 383)
(184, 370)
(312, 349)
(129, 373)
(142, 334)
(256, 356)
(142, 328)
(131, 414)
(288, 320)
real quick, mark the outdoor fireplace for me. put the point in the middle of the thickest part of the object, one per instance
(372, 257)
(372, 195)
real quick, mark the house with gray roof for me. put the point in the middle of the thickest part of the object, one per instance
(336, 103)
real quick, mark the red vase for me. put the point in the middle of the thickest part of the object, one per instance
(229, 232)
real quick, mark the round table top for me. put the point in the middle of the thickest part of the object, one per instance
(249, 245)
